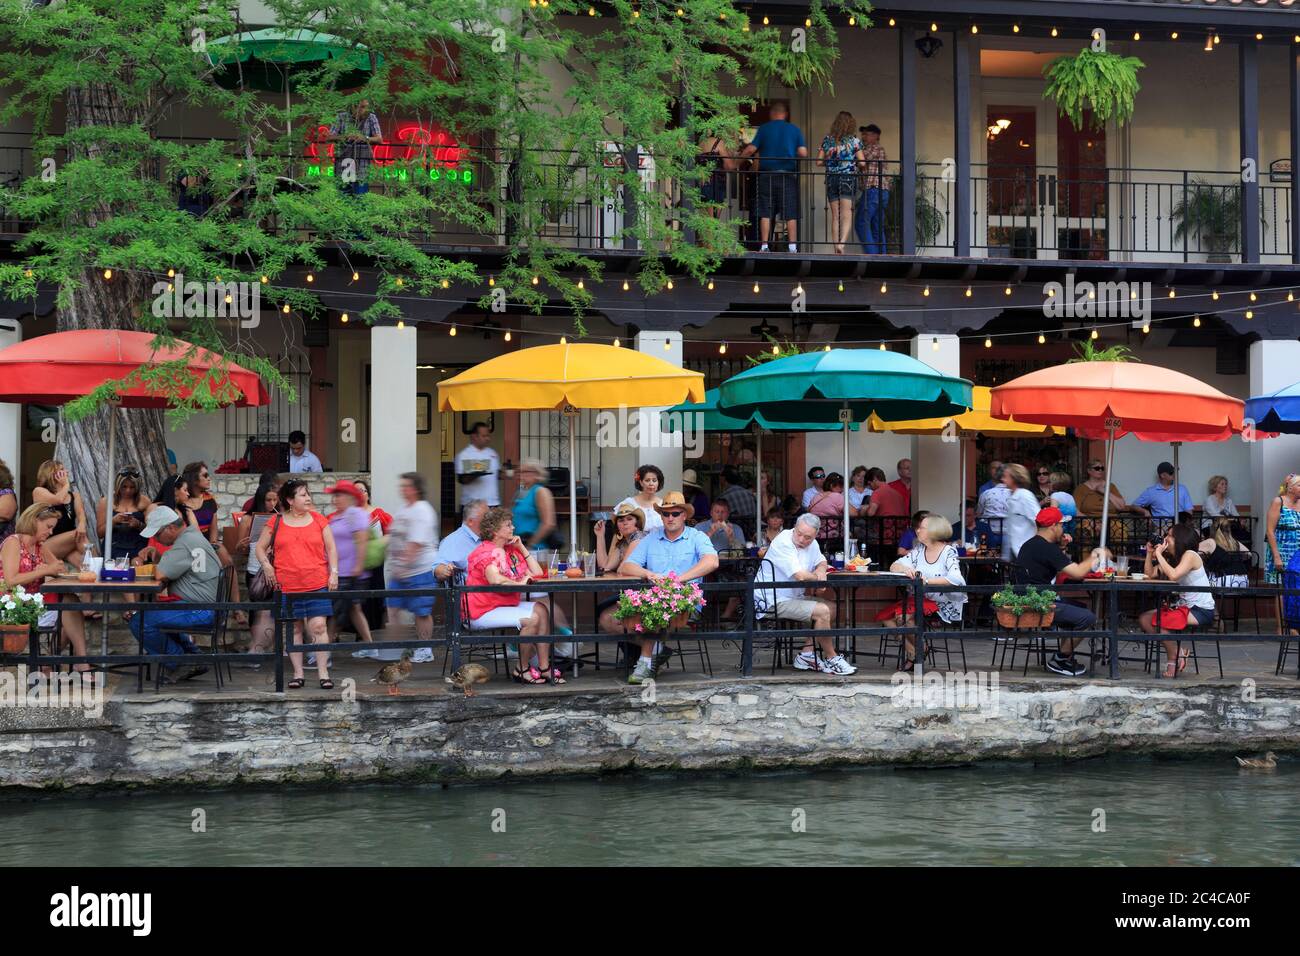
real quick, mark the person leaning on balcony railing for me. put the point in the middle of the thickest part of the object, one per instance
(358, 131)
(1178, 560)
(841, 152)
(779, 145)
(869, 217)
(719, 159)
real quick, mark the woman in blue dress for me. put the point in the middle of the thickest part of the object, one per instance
(1282, 529)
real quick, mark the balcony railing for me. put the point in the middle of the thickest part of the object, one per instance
(1026, 212)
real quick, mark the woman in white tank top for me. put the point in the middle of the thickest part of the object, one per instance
(1177, 559)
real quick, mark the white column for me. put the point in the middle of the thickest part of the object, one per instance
(936, 461)
(655, 446)
(1274, 364)
(392, 411)
(11, 433)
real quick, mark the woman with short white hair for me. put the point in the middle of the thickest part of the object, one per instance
(936, 561)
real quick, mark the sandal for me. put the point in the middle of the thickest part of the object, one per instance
(1171, 669)
(909, 666)
(557, 676)
(530, 676)
(296, 683)
(1182, 659)
(326, 684)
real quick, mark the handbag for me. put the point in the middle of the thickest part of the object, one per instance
(376, 550)
(261, 588)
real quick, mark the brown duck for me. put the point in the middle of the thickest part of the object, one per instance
(1266, 762)
(393, 674)
(467, 675)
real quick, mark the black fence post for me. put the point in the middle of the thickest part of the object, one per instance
(1112, 625)
(747, 648)
(278, 617)
(453, 625)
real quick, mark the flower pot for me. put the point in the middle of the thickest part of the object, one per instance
(1028, 619)
(14, 637)
(678, 623)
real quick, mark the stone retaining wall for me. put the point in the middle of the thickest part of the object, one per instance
(231, 491)
(223, 739)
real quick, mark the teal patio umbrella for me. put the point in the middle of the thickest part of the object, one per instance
(706, 416)
(842, 387)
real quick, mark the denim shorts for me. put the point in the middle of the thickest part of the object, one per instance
(419, 605)
(308, 607)
(840, 185)
(777, 193)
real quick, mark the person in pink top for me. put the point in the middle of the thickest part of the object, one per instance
(829, 502)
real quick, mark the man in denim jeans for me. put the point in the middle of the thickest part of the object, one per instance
(191, 569)
(779, 145)
(869, 218)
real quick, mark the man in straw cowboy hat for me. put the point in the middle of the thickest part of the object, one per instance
(673, 548)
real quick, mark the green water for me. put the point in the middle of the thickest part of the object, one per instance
(1203, 812)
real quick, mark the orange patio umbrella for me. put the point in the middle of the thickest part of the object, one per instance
(1113, 399)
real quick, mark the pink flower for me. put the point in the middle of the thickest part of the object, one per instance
(639, 628)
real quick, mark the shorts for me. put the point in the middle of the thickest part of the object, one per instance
(342, 605)
(307, 607)
(799, 610)
(47, 620)
(777, 193)
(840, 186)
(419, 605)
(714, 189)
(511, 615)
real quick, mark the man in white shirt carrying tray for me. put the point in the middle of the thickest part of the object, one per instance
(478, 467)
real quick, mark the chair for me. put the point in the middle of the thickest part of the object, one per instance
(765, 596)
(469, 650)
(216, 631)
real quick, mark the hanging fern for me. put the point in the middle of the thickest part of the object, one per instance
(1105, 83)
(1087, 352)
(784, 349)
(774, 60)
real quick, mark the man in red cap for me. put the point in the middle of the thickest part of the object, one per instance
(1041, 562)
(351, 528)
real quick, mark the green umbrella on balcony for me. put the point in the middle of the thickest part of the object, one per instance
(706, 416)
(843, 386)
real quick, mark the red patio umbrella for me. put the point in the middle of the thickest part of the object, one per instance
(1113, 399)
(56, 369)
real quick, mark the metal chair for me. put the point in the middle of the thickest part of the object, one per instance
(216, 631)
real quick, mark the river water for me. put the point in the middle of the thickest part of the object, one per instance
(1108, 812)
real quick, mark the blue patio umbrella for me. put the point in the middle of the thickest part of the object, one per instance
(706, 416)
(1276, 412)
(844, 386)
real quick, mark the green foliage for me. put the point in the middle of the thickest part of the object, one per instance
(1085, 351)
(18, 606)
(541, 97)
(781, 348)
(1020, 600)
(1211, 213)
(657, 606)
(930, 219)
(1105, 83)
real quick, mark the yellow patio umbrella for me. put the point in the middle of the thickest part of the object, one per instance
(964, 428)
(567, 378)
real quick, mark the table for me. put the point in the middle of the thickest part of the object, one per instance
(68, 584)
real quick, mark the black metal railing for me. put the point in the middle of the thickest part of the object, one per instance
(1117, 604)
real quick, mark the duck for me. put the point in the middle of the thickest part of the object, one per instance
(467, 675)
(393, 674)
(1266, 762)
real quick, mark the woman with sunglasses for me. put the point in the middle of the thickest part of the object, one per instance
(1043, 482)
(197, 480)
(129, 506)
(1089, 497)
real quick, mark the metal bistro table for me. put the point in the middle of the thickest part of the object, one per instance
(68, 584)
(855, 580)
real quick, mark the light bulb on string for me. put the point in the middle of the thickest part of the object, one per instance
(1172, 294)
(1092, 293)
(344, 318)
(841, 286)
(968, 292)
(1007, 290)
(356, 276)
(1215, 295)
(446, 284)
(1253, 297)
(710, 285)
(617, 343)
(1146, 327)
(798, 290)
(625, 285)
(934, 343)
(826, 348)
(883, 288)
(882, 347)
(1196, 322)
(1051, 293)
(1250, 314)
(988, 343)
(171, 274)
(452, 330)
(756, 288)
(925, 291)
(286, 308)
(311, 277)
(1015, 28)
(580, 285)
(670, 285)
(775, 350)
(564, 340)
(401, 324)
(108, 273)
(668, 344)
(507, 336)
(1094, 336)
(1055, 32)
(1042, 339)
(400, 282)
(492, 281)
(722, 349)
(536, 280)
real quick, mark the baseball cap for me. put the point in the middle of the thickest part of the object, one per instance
(1050, 516)
(1164, 468)
(159, 518)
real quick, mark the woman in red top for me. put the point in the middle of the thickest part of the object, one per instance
(305, 562)
(26, 559)
(502, 559)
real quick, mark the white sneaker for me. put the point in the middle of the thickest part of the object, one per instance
(367, 652)
(763, 247)
(805, 662)
(422, 655)
(791, 247)
(837, 665)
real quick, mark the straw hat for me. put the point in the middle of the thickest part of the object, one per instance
(629, 509)
(689, 479)
(675, 499)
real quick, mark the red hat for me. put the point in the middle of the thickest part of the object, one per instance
(1050, 516)
(346, 487)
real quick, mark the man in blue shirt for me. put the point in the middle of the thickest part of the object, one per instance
(672, 549)
(1158, 500)
(453, 550)
(779, 145)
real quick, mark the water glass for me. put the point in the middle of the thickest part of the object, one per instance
(1121, 564)
(589, 565)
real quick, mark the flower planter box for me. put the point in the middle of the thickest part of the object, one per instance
(678, 623)
(1028, 619)
(14, 638)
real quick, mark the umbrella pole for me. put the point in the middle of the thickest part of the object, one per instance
(961, 492)
(1105, 491)
(108, 516)
(845, 417)
(569, 414)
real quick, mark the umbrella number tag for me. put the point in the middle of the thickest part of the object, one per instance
(846, 416)
(1114, 424)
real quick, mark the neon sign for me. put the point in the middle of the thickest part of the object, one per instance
(433, 148)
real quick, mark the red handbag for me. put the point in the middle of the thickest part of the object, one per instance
(896, 610)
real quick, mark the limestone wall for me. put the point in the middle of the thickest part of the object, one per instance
(224, 739)
(231, 491)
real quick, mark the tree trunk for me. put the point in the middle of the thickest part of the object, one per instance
(100, 304)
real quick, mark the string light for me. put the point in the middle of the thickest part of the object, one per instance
(563, 340)
(170, 286)
(882, 347)
(446, 284)
(826, 348)
(755, 287)
(617, 343)
(536, 280)
(766, 21)
(934, 343)
(1015, 28)
(1137, 35)
(625, 285)
(108, 273)
(1174, 35)
(710, 285)
(1133, 294)
(1249, 314)
(798, 290)
(310, 277)
(807, 22)
(286, 308)
(1253, 297)
(492, 280)
(974, 28)
(988, 343)
(344, 318)
(1172, 294)
(452, 330)
(925, 291)
(228, 298)
(401, 324)
(508, 336)
(775, 350)
(28, 273)
(1051, 293)
(883, 288)
(1216, 39)
(1042, 339)
(668, 344)
(1054, 31)
(1259, 36)
(853, 21)
(400, 283)
(670, 285)
(841, 286)
(1215, 295)
(1146, 327)
(968, 292)
(722, 349)
(171, 274)
(892, 21)
(591, 11)
(1196, 322)
(1007, 290)
(580, 285)
(1092, 293)
(934, 28)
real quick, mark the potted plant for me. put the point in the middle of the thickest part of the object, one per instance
(19, 613)
(1028, 608)
(1211, 214)
(665, 607)
(1097, 82)
(930, 219)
